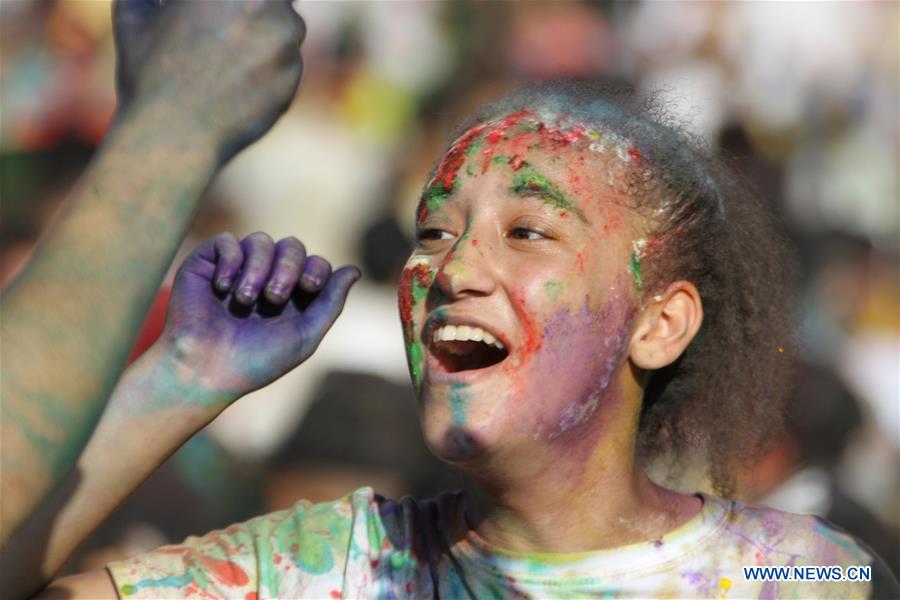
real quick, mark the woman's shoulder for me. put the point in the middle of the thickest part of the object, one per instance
(787, 538)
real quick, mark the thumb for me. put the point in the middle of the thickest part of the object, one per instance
(325, 309)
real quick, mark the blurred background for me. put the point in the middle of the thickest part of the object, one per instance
(803, 96)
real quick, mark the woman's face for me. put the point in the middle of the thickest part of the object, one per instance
(518, 300)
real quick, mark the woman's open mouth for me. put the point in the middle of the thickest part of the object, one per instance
(466, 348)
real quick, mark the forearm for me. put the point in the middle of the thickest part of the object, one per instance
(88, 287)
(152, 412)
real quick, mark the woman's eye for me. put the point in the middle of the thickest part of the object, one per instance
(524, 233)
(427, 235)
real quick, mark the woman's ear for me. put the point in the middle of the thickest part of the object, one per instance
(666, 326)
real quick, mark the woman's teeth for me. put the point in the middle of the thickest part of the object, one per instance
(465, 333)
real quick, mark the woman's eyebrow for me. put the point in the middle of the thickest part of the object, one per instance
(528, 182)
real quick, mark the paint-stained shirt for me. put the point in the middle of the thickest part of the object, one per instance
(365, 546)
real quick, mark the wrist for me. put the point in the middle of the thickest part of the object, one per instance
(153, 126)
(162, 380)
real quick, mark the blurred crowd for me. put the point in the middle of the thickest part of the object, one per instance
(803, 98)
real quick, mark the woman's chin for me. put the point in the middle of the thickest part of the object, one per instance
(455, 441)
(458, 445)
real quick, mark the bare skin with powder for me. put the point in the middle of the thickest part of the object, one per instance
(184, 89)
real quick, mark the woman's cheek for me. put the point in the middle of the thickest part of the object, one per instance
(574, 370)
(415, 283)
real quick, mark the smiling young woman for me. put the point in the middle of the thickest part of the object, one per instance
(588, 292)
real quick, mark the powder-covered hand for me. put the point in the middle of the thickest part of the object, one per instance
(242, 314)
(222, 70)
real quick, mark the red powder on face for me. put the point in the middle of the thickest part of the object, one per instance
(474, 242)
(251, 596)
(497, 134)
(420, 275)
(635, 155)
(441, 276)
(611, 222)
(579, 259)
(533, 335)
(450, 164)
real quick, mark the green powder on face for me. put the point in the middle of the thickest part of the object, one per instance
(470, 151)
(528, 179)
(416, 356)
(527, 127)
(414, 286)
(634, 265)
(416, 351)
(458, 400)
(553, 289)
(435, 197)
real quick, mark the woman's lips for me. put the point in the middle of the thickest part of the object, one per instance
(437, 371)
(460, 348)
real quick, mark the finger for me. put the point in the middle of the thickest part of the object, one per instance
(228, 257)
(327, 306)
(315, 273)
(290, 256)
(259, 248)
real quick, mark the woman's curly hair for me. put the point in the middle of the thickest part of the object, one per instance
(723, 398)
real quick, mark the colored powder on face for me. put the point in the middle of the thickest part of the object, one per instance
(533, 335)
(634, 265)
(470, 151)
(458, 399)
(486, 136)
(528, 179)
(553, 289)
(414, 286)
(444, 181)
(445, 178)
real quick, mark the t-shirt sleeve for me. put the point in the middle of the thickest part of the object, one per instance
(284, 553)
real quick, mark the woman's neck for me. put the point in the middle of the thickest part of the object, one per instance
(560, 519)
(578, 494)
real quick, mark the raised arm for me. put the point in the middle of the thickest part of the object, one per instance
(241, 315)
(197, 82)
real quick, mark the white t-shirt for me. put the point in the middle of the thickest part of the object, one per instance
(364, 546)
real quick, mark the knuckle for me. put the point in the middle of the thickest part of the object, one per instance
(291, 243)
(288, 264)
(225, 236)
(260, 236)
(322, 264)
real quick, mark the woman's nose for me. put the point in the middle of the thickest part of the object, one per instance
(466, 271)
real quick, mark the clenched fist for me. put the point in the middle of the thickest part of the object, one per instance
(225, 69)
(243, 313)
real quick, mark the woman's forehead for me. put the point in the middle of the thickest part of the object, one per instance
(558, 158)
